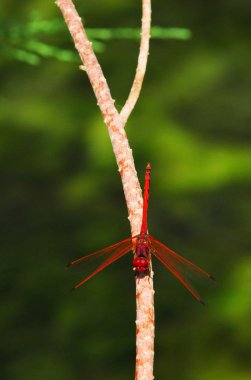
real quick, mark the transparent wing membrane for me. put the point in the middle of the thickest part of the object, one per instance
(97, 261)
(181, 268)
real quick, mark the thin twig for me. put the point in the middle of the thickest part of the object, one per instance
(132, 190)
(142, 62)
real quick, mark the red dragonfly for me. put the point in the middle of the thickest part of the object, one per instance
(143, 246)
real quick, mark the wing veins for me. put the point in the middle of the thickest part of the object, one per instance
(100, 252)
(115, 256)
(180, 258)
(178, 276)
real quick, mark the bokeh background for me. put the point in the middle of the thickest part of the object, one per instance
(61, 196)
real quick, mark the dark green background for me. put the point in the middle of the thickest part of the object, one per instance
(61, 197)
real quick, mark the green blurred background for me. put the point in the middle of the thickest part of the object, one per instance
(61, 196)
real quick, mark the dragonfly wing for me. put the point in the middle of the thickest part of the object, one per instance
(103, 257)
(180, 267)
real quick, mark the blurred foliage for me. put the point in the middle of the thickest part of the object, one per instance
(21, 40)
(61, 195)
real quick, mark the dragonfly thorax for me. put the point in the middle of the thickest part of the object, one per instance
(141, 250)
(140, 261)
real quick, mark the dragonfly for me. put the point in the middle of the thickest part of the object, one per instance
(143, 246)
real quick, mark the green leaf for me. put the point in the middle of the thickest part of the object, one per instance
(22, 55)
(46, 50)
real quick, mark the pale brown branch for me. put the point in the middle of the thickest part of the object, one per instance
(111, 117)
(132, 190)
(142, 62)
(144, 328)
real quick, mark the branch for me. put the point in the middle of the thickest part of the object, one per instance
(142, 62)
(111, 117)
(132, 190)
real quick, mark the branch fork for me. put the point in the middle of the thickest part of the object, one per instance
(115, 122)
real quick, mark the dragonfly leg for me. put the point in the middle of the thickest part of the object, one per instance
(142, 273)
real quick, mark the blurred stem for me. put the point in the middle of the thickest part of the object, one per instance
(135, 33)
(124, 158)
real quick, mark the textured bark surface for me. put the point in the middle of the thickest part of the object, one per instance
(131, 186)
(118, 137)
(142, 61)
(144, 329)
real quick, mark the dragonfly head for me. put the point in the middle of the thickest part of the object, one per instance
(140, 264)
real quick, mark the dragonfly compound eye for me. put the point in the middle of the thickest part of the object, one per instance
(143, 263)
(136, 262)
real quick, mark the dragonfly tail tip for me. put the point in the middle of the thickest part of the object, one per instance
(212, 278)
(202, 302)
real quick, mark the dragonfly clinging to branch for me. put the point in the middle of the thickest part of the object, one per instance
(143, 246)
